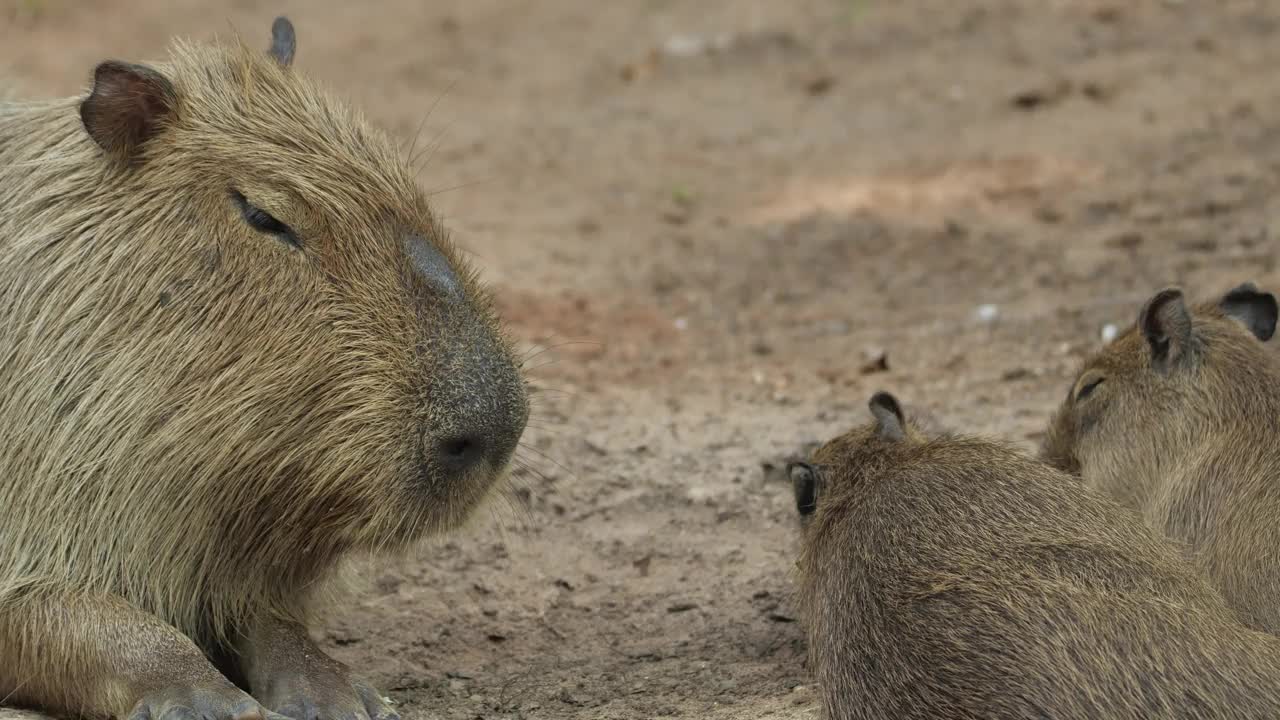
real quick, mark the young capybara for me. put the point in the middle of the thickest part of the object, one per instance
(1179, 418)
(954, 577)
(236, 348)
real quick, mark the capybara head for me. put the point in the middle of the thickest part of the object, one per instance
(228, 300)
(838, 466)
(1158, 385)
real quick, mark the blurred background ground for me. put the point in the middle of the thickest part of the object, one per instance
(734, 220)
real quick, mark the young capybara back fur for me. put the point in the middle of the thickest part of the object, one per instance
(1179, 418)
(955, 577)
(235, 348)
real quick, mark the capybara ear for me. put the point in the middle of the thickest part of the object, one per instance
(127, 106)
(804, 480)
(890, 424)
(1165, 322)
(284, 43)
(1252, 307)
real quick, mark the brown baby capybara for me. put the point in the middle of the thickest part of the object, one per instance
(236, 348)
(955, 577)
(1179, 418)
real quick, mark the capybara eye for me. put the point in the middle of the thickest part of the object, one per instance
(1087, 389)
(263, 221)
(804, 481)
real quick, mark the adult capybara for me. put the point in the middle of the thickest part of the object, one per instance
(1179, 418)
(955, 577)
(236, 347)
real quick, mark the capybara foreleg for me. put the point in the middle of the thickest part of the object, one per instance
(291, 676)
(96, 655)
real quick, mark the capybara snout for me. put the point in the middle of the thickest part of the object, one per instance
(479, 408)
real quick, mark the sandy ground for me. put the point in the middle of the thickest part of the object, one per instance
(719, 215)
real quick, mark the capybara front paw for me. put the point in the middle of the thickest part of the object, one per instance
(377, 706)
(200, 703)
(327, 696)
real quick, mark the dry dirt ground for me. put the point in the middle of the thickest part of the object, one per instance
(718, 215)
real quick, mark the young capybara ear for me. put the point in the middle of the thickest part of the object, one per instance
(890, 424)
(804, 480)
(284, 43)
(1252, 307)
(129, 104)
(1165, 322)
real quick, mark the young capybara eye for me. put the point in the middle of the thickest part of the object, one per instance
(950, 576)
(238, 347)
(1178, 419)
(804, 481)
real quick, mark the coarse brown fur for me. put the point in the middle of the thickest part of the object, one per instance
(1179, 418)
(200, 420)
(956, 577)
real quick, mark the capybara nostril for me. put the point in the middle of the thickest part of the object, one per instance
(459, 453)
(487, 446)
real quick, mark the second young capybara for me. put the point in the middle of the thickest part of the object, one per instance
(944, 576)
(1179, 419)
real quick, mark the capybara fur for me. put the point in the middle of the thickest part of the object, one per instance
(236, 348)
(1179, 418)
(944, 576)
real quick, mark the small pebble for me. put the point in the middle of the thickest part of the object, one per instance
(691, 45)
(1019, 373)
(988, 312)
(684, 45)
(820, 85)
(874, 361)
(1109, 332)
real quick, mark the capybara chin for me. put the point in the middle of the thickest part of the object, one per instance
(1179, 418)
(954, 577)
(235, 347)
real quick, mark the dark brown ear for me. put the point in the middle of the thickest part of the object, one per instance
(1252, 307)
(1165, 322)
(128, 105)
(890, 424)
(283, 41)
